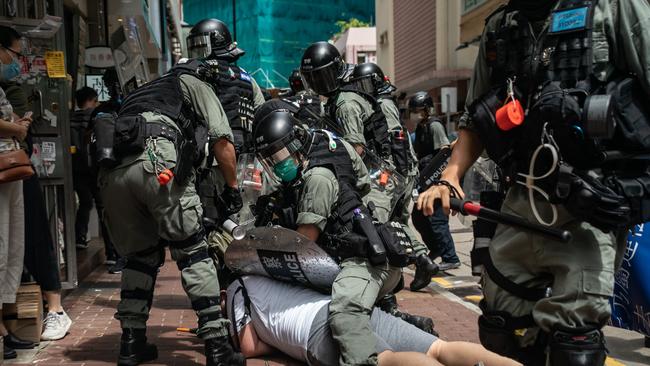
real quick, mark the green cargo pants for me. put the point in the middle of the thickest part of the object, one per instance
(354, 293)
(139, 214)
(581, 272)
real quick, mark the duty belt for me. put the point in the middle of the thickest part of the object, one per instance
(155, 130)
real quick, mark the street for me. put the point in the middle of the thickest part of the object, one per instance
(450, 301)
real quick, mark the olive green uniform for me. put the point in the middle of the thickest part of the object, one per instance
(359, 284)
(218, 240)
(392, 116)
(352, 110)
(439, 134)
(140, 213)
(583, 270)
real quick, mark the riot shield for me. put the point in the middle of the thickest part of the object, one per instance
(283, 255)
(249, 176)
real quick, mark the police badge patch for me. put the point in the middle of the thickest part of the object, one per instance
(569, 20)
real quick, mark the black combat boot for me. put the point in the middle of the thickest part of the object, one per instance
(134, 348)
(389, 304)
(425, 268)
(219, 352)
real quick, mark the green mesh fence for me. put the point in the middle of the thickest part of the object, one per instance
(274, 33)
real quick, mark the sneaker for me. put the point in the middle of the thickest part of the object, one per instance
(110, 261)
(444, 266)
(55, 326)
(118, 266)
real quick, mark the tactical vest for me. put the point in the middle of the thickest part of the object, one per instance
(338, 161)
(424, 139)
(375, 127)
(563, 63)
(234, 88)
(165, 96)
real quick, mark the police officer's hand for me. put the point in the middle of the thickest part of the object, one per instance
(232, 200)
(427, 199)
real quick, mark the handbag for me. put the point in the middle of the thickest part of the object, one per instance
(15, 165)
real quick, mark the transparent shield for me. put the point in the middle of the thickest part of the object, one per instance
(249, 176)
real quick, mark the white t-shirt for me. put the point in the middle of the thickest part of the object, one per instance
(282, 314)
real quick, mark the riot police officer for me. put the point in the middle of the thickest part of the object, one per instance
(364, 124)
(430, 137)
(308, 107)
(237, 91)
(369, 78)
(323, 180)
(151, 202)
(551, 101)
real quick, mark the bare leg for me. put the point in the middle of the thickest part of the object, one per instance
(53, 299)
(389, 358)
(466, 354)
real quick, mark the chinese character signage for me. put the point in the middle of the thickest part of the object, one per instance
(631, 301)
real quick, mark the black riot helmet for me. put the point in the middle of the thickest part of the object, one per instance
(421, 101)
(279, 140)
(295, 81)
(368, 77)
(210, 38)
(322, 68)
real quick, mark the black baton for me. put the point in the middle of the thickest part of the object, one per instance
(467, 207)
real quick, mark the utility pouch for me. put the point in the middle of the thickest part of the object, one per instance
(347, 245)
(185, 157)
(498, 144)
(632, 114)
(637, 193)
(103, 150)
(129, 135)
(396, 243)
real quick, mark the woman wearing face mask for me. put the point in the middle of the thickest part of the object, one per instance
(40, 256)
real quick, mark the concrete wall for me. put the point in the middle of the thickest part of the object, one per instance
(385, 36)
(415, 39)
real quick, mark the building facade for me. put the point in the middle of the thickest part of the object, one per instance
(358, 45)
(275, 33)
(431, 45)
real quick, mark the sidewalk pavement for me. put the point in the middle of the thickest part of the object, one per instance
(94, 337)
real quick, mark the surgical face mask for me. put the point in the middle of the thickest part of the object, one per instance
(286, 170)
(9, 71)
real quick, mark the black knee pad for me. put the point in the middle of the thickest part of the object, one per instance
(577, 347)
(497, 333)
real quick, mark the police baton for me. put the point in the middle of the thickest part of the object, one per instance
(466, 207)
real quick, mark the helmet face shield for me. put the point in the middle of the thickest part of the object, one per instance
(365, 84)
(282, 161)
(199, 46)
(323, 80)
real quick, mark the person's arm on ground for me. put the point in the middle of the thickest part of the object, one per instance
(465, 152)
(389, 358)
(251, 345)
(465, 353)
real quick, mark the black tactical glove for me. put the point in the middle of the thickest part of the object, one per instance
(232, 200)
(597, 204)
